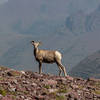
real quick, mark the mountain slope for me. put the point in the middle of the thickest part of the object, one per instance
(89, 67)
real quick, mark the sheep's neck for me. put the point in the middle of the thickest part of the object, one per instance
(36, 51)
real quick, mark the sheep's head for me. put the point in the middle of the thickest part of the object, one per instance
(35, 44)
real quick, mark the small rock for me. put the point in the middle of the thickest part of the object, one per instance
(7, 98)
(23, 72)
(26, 82)
(69, 78)
(73, 96)
(52, 90)
(50, 82)
(88, 95)
(22, 97)
(1, 96)
(61, 80)
(13, 73)
(34, 84)
(93, 79)
(90, 87)
(26, 99)
(12, 89)
(39, 97)
(15, 81)
(85, 90)
(36, 75)
(97, 96)
(74, 86)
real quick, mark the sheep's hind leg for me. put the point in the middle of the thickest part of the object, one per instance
(60, 70)
(63, 68)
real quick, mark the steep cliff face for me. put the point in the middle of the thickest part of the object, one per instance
(26, 85)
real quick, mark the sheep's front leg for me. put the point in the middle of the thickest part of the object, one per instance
(40, 67)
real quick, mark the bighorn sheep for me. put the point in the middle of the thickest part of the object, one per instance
(48, 56)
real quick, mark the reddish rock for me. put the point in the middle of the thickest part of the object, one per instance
(74, 86)
(93, 79)
(7, 98)
(13, 73)
(50, 82)
(73, 96)
(52, 90)
(69, 78)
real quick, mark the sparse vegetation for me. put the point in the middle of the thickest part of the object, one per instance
(47, 86)
(61, 97)
(97, 92)
(63, 91)
(3, 91)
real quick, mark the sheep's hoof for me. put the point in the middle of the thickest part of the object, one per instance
(66, 75)
(69, 77)
(41, 73)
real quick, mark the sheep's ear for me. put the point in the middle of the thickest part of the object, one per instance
(32, 41)
(40, 43)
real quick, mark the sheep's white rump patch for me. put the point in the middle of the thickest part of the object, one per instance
(58, 54)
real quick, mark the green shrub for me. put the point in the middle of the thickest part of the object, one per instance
(3, 92)
(47, 86)
(60, 97)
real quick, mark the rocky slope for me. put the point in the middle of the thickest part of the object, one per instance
(20, 85)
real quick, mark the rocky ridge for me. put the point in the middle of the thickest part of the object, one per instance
(27, 85)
